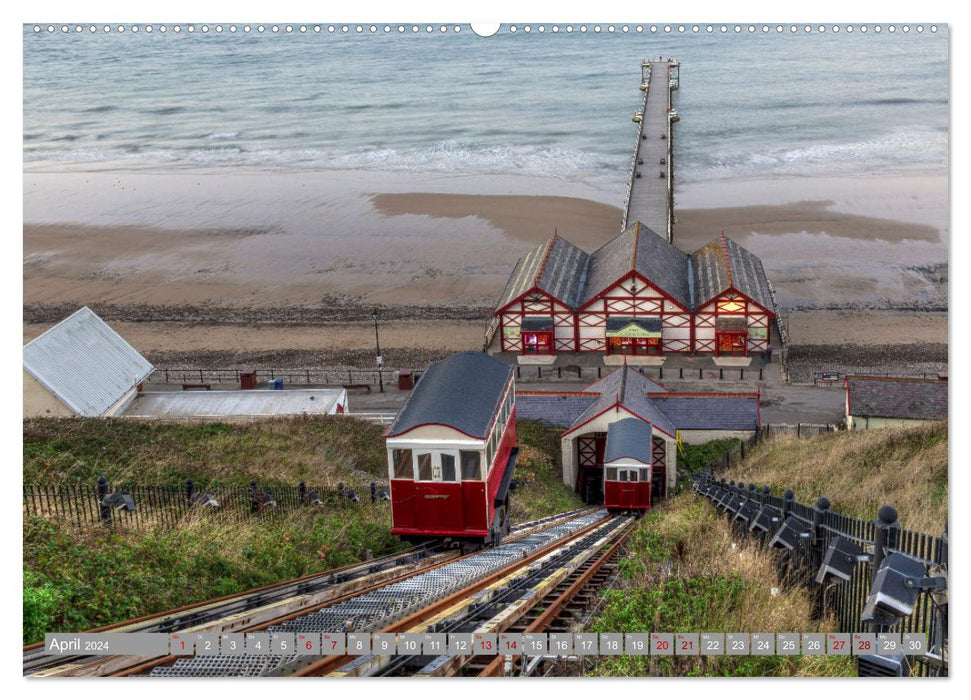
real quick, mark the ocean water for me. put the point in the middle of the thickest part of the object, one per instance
(546, 105)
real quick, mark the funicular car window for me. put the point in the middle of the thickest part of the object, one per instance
(424, 466)
(612, 474)
(645, 475)
(403, 468)
(448, 467)
(471, 468)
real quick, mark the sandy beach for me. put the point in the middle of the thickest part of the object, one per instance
(203, 266)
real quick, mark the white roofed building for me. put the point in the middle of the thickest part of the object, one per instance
(81, 367)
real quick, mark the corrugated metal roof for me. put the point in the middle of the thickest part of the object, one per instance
(85, 364)
(631, 438)
(710, 412)
(461, 392)
(890, 397)
(234, 404)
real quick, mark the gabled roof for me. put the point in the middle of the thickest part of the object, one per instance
(461, 392)
(627, 388)
(556, 267)
(724, 264)
(630, 438)
(897, 397)
(642, 397)
(638, 249)
(710, 411)
(85, 364)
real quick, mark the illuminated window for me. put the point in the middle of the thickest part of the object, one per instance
(401, 460)
(731, 305)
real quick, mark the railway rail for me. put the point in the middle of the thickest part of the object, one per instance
(263, 607)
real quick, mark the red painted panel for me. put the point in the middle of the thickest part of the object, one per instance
(623, 495)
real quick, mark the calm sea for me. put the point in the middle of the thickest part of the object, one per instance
(535, 104)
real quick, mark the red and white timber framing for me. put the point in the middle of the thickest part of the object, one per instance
(731, 304)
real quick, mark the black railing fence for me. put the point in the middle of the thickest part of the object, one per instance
(135, 506)
(801, 536)
(335, 376)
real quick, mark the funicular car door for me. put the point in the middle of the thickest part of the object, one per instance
(438, 491)
(627, 488)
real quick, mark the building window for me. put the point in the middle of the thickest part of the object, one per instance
(424, 466)
(633, 346)
(471, 465)
(402, 467)
(448, 467)
(538, 343)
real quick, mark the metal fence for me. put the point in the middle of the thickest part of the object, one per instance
(331, 376)
(134, 506)
(759, 514)
(373, 377)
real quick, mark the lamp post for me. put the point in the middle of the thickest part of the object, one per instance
(377, 343)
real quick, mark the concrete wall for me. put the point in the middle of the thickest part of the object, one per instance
(864, 423)
(39, 402)
(698, 437)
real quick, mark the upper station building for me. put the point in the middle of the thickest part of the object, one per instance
(634, 300)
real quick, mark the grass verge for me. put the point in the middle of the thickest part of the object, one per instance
(686, 572)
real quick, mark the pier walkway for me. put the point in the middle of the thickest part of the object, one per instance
(650, 197)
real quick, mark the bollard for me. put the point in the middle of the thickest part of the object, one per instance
(302, 492)
(102, 494)
(190, 487)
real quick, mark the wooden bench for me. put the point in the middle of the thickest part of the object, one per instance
(187, 387)
(358, 386)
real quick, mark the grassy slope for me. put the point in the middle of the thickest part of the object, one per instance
(685, 572)
(859, 471)
(78, 580)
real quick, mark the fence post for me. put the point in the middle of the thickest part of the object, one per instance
(680, 372)
(302, 491)
(721, 372)
(190, 486)
(374, 492)
(788, 499)
(102, 494)
(760, 374)
(886, 534)
(660, 372)
(816, 554)
(254, 504)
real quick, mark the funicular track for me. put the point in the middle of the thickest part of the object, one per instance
(262, 607)
(420, 599)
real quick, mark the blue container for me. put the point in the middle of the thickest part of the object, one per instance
(277, 383)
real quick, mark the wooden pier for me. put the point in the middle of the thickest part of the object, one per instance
(650, 192)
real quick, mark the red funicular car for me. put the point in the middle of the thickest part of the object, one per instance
(451, 452)
(627, 466)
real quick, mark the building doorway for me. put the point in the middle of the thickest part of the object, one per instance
(590, 460)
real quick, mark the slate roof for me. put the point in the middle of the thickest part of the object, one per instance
(557, 267)
(629, 438)
(573, 277)
(461, 392)
(891, 397)
(560, 410)
(85, 364)
(710, 412)
(669, 411)
(630, 388)
(724, 264)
